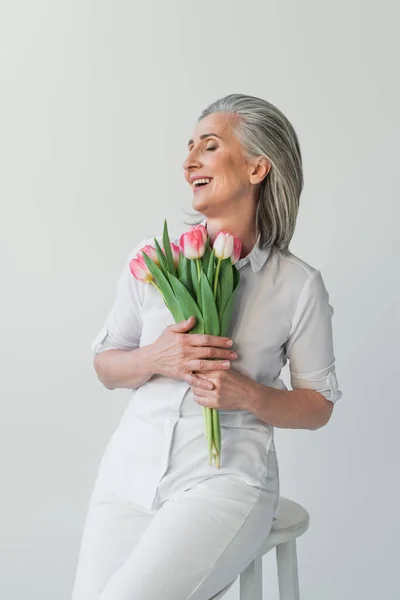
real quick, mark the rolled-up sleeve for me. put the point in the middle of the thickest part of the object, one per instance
(123, 325)
(309, 346)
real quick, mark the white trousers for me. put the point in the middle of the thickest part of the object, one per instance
(192, 545)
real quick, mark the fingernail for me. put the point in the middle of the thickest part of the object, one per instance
(225, 363)
(229, 342)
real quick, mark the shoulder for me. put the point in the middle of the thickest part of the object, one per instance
(292, 268)
(292, 264)
(295, 275)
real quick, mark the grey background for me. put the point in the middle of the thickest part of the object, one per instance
(98, 100)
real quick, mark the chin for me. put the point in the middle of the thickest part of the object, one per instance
(199, 204)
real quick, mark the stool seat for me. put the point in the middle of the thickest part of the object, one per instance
(292, 520)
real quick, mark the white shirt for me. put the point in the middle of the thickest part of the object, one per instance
(282, 312)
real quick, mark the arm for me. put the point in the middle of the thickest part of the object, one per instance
(125, 368)
(292, 409)
(309, 348)
(119, 361)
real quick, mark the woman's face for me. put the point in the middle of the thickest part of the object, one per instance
(218, 156)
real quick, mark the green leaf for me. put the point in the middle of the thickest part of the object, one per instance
(207, 253)
(227, 315)
(184, 273)
(166, 289)
(210, 313)
(211, 270)
(236, 277)
(199, 297)
(161, 258)
(187, 304)
(219, 300)
(168, 251)
(226, 280)
(194, 277)
(180, 267)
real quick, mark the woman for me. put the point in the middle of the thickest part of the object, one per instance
(162, 523)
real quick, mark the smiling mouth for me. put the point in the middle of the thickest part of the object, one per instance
(199, 186)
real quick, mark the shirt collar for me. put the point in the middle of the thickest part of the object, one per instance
(257, 256)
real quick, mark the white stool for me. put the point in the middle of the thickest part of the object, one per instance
(292, 521)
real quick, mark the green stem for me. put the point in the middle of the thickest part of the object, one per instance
(216, 436)
(216, 277)
(209, 434)
(155, 285)
(198, 265)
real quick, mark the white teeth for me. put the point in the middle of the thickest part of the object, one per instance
(206, 180)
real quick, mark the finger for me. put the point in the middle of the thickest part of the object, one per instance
(200, 391)
(183, 325)
(205, 401)
(200, 364)
(211, 352)
(195, 381)
(206, 339)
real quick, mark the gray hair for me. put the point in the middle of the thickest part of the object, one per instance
(263, 130)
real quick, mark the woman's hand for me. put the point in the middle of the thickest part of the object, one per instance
(177, 354)
(232, 390)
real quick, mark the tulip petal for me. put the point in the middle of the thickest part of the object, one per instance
(176, 255)
(193, 243)
(139, 270)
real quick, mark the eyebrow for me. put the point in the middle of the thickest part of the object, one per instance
(205, 135)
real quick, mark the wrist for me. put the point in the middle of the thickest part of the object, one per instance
(253, 398)
(152, 359)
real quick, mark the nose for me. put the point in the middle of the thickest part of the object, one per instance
(190, 162)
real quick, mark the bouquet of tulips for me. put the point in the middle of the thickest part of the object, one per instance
(195, 279)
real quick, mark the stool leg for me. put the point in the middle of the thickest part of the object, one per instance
(288, 578)
(251, 580)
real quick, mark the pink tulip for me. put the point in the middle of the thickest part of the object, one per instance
(193, 242)
(237, 249)
(151, 253)
(176, 252)
(223, 245)
(140, 270)
(202, 229)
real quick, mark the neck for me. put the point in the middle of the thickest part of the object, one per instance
(245, 230)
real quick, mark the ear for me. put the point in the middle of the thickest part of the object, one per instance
(259, 170)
